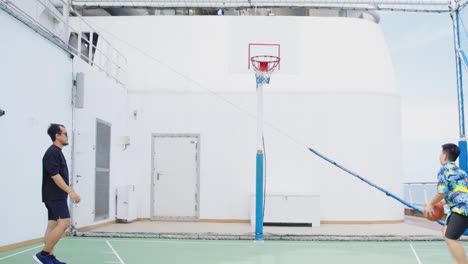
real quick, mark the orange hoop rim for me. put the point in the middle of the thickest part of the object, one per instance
(272, 62)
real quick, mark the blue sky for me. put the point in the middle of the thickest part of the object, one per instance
(421, 47)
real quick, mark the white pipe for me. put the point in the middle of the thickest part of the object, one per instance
(58, 3)
(252, 3)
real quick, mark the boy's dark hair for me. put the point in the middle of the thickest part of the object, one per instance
(53, 130)
(451, 150)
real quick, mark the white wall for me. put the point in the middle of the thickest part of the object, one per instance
(35, 90)
(196, 53)
(228, 149)
(105, 100)
(335, 92)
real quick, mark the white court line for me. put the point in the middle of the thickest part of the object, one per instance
(21, 252)
(415, 254)
(115, 252)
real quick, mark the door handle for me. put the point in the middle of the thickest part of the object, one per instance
(157, 175)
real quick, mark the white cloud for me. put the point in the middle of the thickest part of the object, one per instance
(421, 39)
(429, 122)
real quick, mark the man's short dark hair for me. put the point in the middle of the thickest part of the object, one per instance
(53, 130)
(451, 150)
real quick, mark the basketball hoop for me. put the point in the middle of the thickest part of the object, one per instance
(264, 67)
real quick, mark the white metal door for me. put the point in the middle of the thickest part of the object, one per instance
(82, 181)
(175, 177)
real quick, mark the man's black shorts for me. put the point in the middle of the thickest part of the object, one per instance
(57, 209)
(456, 226)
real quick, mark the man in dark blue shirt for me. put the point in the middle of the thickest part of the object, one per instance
(55, 191)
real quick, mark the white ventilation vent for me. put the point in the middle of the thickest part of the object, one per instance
(126, 203)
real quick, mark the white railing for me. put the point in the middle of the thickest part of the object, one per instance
(50, 18)
(390, 5)
(97, 51)
(251, 3)
(419, 193)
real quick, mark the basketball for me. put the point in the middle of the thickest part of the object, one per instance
(437, 214)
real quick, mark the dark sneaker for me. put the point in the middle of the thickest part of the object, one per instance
(43, 259)
(56, 261)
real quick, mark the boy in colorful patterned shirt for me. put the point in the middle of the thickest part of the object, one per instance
(453, 187)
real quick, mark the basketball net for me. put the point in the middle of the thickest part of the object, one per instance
(264, 67)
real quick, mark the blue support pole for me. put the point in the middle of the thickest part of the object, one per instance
(264, 66)
(463, 159)
(259, 198)
(259, 165)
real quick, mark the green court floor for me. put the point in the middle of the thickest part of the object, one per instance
(76, 250)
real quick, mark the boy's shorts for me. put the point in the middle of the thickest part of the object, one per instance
(456, 226)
